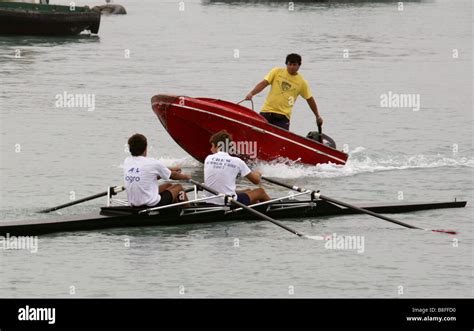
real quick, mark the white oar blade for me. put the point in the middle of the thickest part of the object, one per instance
(313, 237)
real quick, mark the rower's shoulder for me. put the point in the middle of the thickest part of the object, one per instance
(276, 71)
(301, 77)
(149, 161)
(239, 161)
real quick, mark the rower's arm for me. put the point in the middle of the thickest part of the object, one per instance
(179, 176)
(257, 89)
(254, 177)
(314, 107)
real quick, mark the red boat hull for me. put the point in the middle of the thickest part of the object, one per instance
(192, 121)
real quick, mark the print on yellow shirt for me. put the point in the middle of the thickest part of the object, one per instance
(285, 88)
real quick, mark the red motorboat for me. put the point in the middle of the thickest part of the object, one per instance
(192, 121)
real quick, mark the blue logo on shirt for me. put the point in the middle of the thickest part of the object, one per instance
(130, 178)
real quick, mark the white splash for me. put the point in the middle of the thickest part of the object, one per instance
(185, 162)
(360, 161)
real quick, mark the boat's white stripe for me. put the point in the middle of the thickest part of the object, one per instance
(257, 129)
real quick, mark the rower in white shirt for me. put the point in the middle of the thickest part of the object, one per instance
(222, 169)
(141, 174)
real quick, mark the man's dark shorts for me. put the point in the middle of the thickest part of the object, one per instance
(166, 198)
(277, 119)
(243, 198)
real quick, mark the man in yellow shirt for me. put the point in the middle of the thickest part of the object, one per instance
(286, 85)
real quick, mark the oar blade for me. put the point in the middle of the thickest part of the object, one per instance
(446, 231)
(313, 237)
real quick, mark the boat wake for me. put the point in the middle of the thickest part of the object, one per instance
(168, 161)
(361, 161)
(184, 162)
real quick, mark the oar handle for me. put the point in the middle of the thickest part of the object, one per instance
(320, 131)
(291, 187)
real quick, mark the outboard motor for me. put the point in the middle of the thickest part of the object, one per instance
(328, 141)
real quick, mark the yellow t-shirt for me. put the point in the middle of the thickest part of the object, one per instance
(285, 88)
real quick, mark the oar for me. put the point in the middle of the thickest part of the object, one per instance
(344, 204)
(112, 191)
(255, 212)
(320, 131)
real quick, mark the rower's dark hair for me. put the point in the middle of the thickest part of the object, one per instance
(137, 144)
(221, 136)
(293, 58)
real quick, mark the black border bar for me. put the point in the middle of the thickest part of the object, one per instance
(289, 314)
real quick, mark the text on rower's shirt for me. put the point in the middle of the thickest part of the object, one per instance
(220, 172)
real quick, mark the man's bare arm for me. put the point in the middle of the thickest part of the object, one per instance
(254, 177)
(257, 89)
(314, 108)
(179, 176)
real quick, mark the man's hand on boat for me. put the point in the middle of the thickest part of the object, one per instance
(257, 89)
(319, 120)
